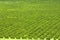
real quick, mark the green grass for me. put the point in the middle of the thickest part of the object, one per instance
(30, 19)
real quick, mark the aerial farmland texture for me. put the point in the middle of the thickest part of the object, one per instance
(30, 19)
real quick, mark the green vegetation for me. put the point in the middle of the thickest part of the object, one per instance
(30, 19)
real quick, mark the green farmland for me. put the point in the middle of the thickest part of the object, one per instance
(30, 19)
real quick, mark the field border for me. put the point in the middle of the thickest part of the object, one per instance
(27, 39)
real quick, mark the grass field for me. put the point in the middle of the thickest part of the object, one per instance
(30, 19)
